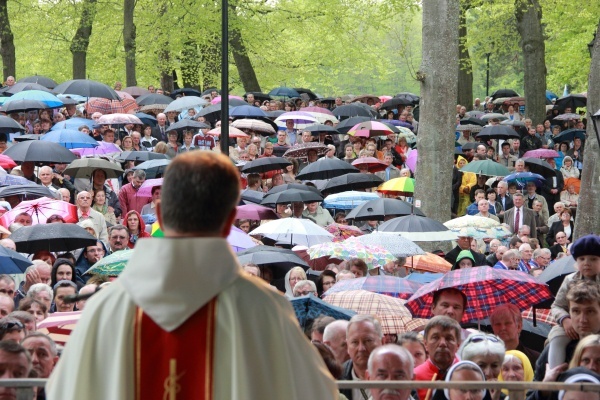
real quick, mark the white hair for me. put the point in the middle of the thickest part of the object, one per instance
(39, 287)
(391, 348)
(334, 329)
(366, 318)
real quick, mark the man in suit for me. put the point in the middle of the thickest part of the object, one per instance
(390, 172)
(160, 130)
(504, 198)
(560, 246)
(532, 196)
(464, 243)
(553, 185)
(524, 214)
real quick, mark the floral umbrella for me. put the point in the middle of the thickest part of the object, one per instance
(111, 265)
(428, 262)
(373, 256)
(342, 232)
(382, 284)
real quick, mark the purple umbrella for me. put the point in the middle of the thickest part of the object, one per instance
(148, 185)
(411, 160)
(254, 212)
(103, 148)
(239, 240)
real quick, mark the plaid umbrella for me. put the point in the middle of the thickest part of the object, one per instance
(541, 315)
(428, 262)
(308, 308)
(382, 284)
(342, 232)
(111, 265)
(390, 311)
(106, 106)
(59, 325)
(395, 244)
(373, 256)
(485, 288)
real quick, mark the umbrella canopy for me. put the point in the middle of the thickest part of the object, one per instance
(9, 125)
(400, 186)
(486, 167)
(497, 132)
(554, 275)
(382, 284)
(539, 166)
(24, 86)
(74, 123)
(352, 181)
(108, 106)
(409, 96)
(569, 135)
(504, 93)
(70, 139)
(308, 308)
(471, 221)
(348, 200)
(12, 262)
(294, 231)
(147, 119)
(373, 256)
(424, 277)
(246, 112)
(255, 212)
(31, 191)
(485, 288)
(185, 103)
(187, 124)
(111, 265)
(380, 208)
(470, 120)
(265, 164)
(40, 210)
(146, 189)
(287, 186)
(11, 180)
(233, 132)
(370, 129)
(289, 196)
(251, 196)
(301, 150)
(371, 164)
(40, 80)
(87, 88)
(349, 123)
(140, 156)
(487, 117)
(395, 102)
(154, 168)
(418, 229)
(397, 245)
(52, 237)
(40, 95)
(39, 152)
(119, 119)
(521, 178)
(325, 168)
(351, 110)
(7, 162)
(102, 149)
(317, 129)
(239, 240)
(301, 119)
(284, 92)
(342, 232)
(395, 318)
(59, 325)
(254, 125)
(573, 101)
(186, 92)
(279, 260)
(541, 153)
(22, 106)
(136, 91)
(428, 262)
(150, 99)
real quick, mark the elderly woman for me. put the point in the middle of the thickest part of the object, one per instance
(568, 169)
(569, 196)
(304, 288)
(515, 368)
(292, 277)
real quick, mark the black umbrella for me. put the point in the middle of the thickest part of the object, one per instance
(351, 110)
(326, 168)
(290, 196)
(259, 96)
(154, 168)
(280, 261)
(378, 209)
(540, 167)
(186, 92)
(298, 186)
(497, 132)
(417, 228)
(87, 88)
(284, 92)
(30, 192)
(347, 124)
(352, 182)
(40, 80)
(29, 136)
(394, 102)
(40, 152)
(211, 113)
(140, 156)
(317, 129)
(233, 102)
(573, 101)
(569, 135)
(22, 106)
(414, 99)
(210, 90)
(187, 124)
(470, 146)
(19, 87)
(52, 237)
(9, 125)
(472, 121)
(251, 196)
(308, 92)
(153, 98)
(532, 335)
(554, 275)
(265, 164)
(504, 93)
(12, 262)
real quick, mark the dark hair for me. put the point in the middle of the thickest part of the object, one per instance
(438, 293)
(26, 303)
(58, 263)
(9, 324)
(11, 347)
(444, 322)
(325, 273)
(583, 291)
(332, 365)
(55, 217)
(514, 241)
(358, 263)
(210, 181)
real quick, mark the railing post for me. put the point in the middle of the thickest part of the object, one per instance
(25, 393)
(516, 395)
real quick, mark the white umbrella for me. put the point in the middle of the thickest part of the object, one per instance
(294, 231)
(397, 245)
(185, 103)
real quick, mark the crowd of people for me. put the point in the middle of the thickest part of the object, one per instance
(112, 212)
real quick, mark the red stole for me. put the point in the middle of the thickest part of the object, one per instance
(178, 364)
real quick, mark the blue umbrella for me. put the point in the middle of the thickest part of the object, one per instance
(10, 180)
(246, 111)
(348, 200)
(147, 119)
(550, 95)
(12, 262)
(569, 135)
(521, 178)
(424, 278)
(308, 308)
(284, 92)
(70, 139)
(74, 123)
(47, 98)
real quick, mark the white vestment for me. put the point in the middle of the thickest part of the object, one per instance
(260, 351)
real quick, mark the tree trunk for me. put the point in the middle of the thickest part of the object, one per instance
(7, 45)
(588, 214)
(529, 25)
(465, 69)
(190, 64)
(243, 63)
(437, 118)
(81, 40)
(129, 36)
(210, 59)
(164, 55)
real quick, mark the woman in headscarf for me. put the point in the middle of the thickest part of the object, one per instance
(516, 367)
(463, 371)
(468, 180)
(292, 277)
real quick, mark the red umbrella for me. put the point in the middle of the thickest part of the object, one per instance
(106, 106)
(40, 209)
(6, 162)
(255, 212)
(373, 164)
(382, 284)
(485, 289)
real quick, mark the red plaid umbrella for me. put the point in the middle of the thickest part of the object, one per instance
(382, 284)
(40, 209)
(485, 288)
(106, 106)
(541, 315)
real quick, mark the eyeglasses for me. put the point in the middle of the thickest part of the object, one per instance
(481, 338)
(10, 326)
(305, 292)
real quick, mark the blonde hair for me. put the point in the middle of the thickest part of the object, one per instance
(586, 342)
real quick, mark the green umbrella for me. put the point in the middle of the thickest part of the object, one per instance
(486, 167)
(111, 265)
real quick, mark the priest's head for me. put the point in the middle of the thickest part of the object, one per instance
(209, 184)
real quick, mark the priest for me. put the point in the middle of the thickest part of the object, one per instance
(183, 321)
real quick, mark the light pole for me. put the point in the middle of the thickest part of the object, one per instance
(487, 75)
(225, 77)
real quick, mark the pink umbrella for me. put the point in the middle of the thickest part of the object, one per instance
(148, 185)
(217, 99)
(233, 132)
(373, 164)
(254, 212)
(239, 240)
(369, 129)
(103, 148)
(541, 153)
(317, 264)
(411, 160)
(383, 99)
(40, 209)
(317, 110)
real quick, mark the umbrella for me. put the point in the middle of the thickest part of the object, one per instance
(83, 168)
(428, 262)
(569, 135)
(24, 86)
(380, 208)
(279, 260)
(471, 221)
(40, 80)
(246, 112)
(401, 186)
(325, 168)
(39, 152)
(187, 124)
(408, 135)
(289, 196)
(233, 132)
(154, 167)
(395, 318)
(467, 121)
(70, 139)
(317, 129)
(185, 103)
(239, 240)
(306, 92)
(373, 256)
(541, 153)
(395, 102)
(186, 92)
(140, 156)
(352, 181)
(411, 160)
(372, 164)
(573, 101)
(382, 284)
(284, 92)
(233, 100)
(87, 88)
(409, 96)
(322, 117)
(347, 124)
(52, 237)
(111, 265)
(504, 93)
(541, 167)
(27, 191)
(7, 162)
(153, 108)
(301, 119)
(397, 245)
(74, 123)
(365, 97)
(308, 308)
(251, 196)
(497, 132)
(351, 110)
(301, 150)
(102, 149)
(512, 122)
(287, 186)
(487, 117)
(425, 277)
(259, 96)
(153, 99)
(418, 229)
(59, 325)
(9, 125)
(211, 113)
(567, 117)
(29, 136)
(485, 288)
(348, 200)
(124, 95)
(342, 232)
(149, 184)
(43, 96)
(40, 210)
(22, 106)
(12, 262)
(486, 167)
(135, 91)
(254, 125)
(521, 178)
(119, 119)
(255, 212)
(554, 275)
(294, 231)
(7, 179)
(147, 119)
(265, 164)
(108, 106)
